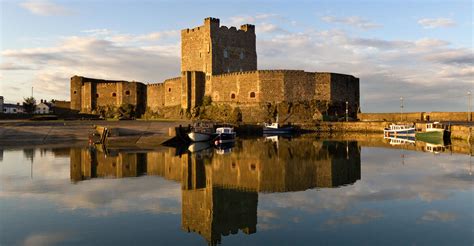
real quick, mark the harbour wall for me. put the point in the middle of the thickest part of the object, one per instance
(417, 116)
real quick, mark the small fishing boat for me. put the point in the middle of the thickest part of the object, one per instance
(399, 130)
(201, 131)
(276, 128)
(224, 135)
(434, 133)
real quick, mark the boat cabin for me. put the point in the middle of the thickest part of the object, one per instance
(435, 127)
(224, 130)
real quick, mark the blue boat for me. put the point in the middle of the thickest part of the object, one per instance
(399, 130)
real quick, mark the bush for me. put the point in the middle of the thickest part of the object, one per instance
(206, 101)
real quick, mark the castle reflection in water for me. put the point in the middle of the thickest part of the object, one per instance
(220, 191)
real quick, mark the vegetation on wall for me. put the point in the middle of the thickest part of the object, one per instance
(124, 112)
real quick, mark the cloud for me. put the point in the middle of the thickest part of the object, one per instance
(150, 57)
(355, 21)
(45, 8)
(436, 22)
(14, 66)
(453, 57)
(362, 217)
(264, 23)
(48, 238)
(435, 215)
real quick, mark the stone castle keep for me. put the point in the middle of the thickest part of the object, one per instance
(221, 63)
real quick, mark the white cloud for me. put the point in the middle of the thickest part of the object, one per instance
(150, 57)
(45, 8)
(355, 21)
(49, 238)
(437, 216)
(436, 22)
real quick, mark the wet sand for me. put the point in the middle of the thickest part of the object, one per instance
(25, 133)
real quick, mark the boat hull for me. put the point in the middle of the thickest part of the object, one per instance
(404, 132)
(434, 137)
(282, 130)
(224, 138)
(199, 137)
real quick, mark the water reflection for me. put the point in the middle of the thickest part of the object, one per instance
(220, 187)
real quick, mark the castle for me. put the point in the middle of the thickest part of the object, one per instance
(221, 63)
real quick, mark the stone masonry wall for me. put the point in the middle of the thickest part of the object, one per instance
(416, 116)
(172, 91)
(87, 94)
(215, 49)
(155, 96)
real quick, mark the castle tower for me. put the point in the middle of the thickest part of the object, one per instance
(215, 49)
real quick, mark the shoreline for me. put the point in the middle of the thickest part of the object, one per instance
(148, 132)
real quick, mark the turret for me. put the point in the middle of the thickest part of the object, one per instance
(248, 28)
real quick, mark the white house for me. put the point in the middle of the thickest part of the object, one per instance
(42, 108)
(9, 108)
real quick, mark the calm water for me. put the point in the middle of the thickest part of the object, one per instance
(263, 191)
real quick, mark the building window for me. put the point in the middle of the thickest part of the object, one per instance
(169, 89)
(127, 93)
(232, 96)
(97, 95)
(241, 55)
(75, 92)
(253, 166)
(226, 54)
(114, 94)
(252, 94)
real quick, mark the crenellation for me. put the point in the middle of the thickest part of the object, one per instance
(221, 62)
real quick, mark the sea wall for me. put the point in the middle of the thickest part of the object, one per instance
(416, 116)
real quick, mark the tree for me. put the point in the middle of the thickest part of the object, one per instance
(29, 104)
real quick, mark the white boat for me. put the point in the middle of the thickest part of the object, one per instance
(201, 131)
(399, 130)
(199, 136)
(224, 135)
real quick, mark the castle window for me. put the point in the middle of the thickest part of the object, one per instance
(232, 96)
(127, 93)
(252, 166)
(252, 94)
(114, 94)
(75, 92)
(226, 54)
(97, 95)
(241, 55)
(169, 89)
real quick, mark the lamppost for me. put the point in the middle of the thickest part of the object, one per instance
(469, 106)
(347, 111)
(401, 108)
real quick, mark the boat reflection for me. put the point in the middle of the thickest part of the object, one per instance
(220, 192)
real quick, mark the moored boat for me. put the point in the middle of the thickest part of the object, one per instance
(224, 135)
(276, 128)
(399, 130)
(434, 133)
(201, 131)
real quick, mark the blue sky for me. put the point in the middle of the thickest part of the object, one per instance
(421, 50)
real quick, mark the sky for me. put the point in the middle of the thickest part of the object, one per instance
(419, 50)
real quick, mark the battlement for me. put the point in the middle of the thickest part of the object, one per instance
(155, 84)
(211, 20)
(286, 71)
(172, 79)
